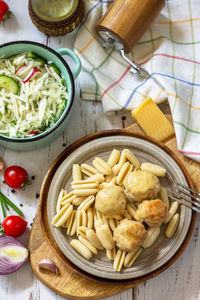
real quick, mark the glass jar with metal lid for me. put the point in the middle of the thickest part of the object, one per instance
(56, 17)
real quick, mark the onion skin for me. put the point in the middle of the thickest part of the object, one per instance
(48, 264)
(6, 266)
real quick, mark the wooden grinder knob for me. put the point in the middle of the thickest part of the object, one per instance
(129, 19)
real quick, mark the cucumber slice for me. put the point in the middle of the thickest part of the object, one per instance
(35, 57)
(9, 84)
(31, 55)
(55, 68)
(39, 59)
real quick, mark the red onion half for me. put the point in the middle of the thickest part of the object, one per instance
(12, 255)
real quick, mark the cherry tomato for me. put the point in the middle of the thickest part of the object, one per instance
(14, 226)
(4, 10)
(16, 177)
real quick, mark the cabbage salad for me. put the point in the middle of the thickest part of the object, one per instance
(33, 95)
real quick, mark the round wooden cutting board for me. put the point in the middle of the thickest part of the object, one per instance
(71, 281)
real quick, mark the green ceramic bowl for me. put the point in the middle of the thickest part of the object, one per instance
(40, 140)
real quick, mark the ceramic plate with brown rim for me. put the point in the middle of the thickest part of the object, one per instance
(151, 259)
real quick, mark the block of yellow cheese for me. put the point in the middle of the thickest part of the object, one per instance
(152, 120)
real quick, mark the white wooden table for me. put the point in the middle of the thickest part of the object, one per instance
(180, 282)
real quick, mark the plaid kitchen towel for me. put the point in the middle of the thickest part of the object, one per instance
(169, 51)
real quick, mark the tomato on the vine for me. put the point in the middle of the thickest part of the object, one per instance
(14, 226)
(16, 177)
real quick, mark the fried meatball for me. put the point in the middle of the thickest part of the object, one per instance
(129, 234)
(141, 185)
(111, 200)
(152, 212)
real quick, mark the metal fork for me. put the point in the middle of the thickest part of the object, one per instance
(185, 197)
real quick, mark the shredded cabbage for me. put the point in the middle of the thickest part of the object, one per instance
(40, 102)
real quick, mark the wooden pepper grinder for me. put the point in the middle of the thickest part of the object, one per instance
(124, 24)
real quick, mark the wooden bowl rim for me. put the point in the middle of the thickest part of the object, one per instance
(44, 193)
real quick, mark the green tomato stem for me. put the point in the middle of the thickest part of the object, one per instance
(5, 204)
(3, 209)
(11, 204)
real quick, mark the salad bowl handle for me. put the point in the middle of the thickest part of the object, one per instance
(66, 51)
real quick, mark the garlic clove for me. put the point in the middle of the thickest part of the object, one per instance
(48, 264)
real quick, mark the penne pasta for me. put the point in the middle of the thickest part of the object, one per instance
(153, 169)
(76, 172)
(66, 224)
(71, 230)
(108, 178)
(85, 192)
(171, 212)
(73, 226)
(116, 169)
(81, 218)
(131, 257)
(111, 253)
(97, 177)
(101, 166)
(152, 235)
(60, 196)
(131, 158)
(119, 260)
(64, 193)
(90, 218)
(105, 220)
(172, 226)
(113, 158)
(104, 185)
(77, 200)
(164, 197)
(82, 231)
(122, 160)
(99, 215)
(62, 216)
(84, 184)
(105, 236)
(94, 212)
(67, 198)
(123, 173)
(92, 237)
(112, 223)
(96, 222)
(84, 218)
(81, 249)
(113, 180)
(131, 210)
(85, 242)
(86, 203)
(88, 170)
